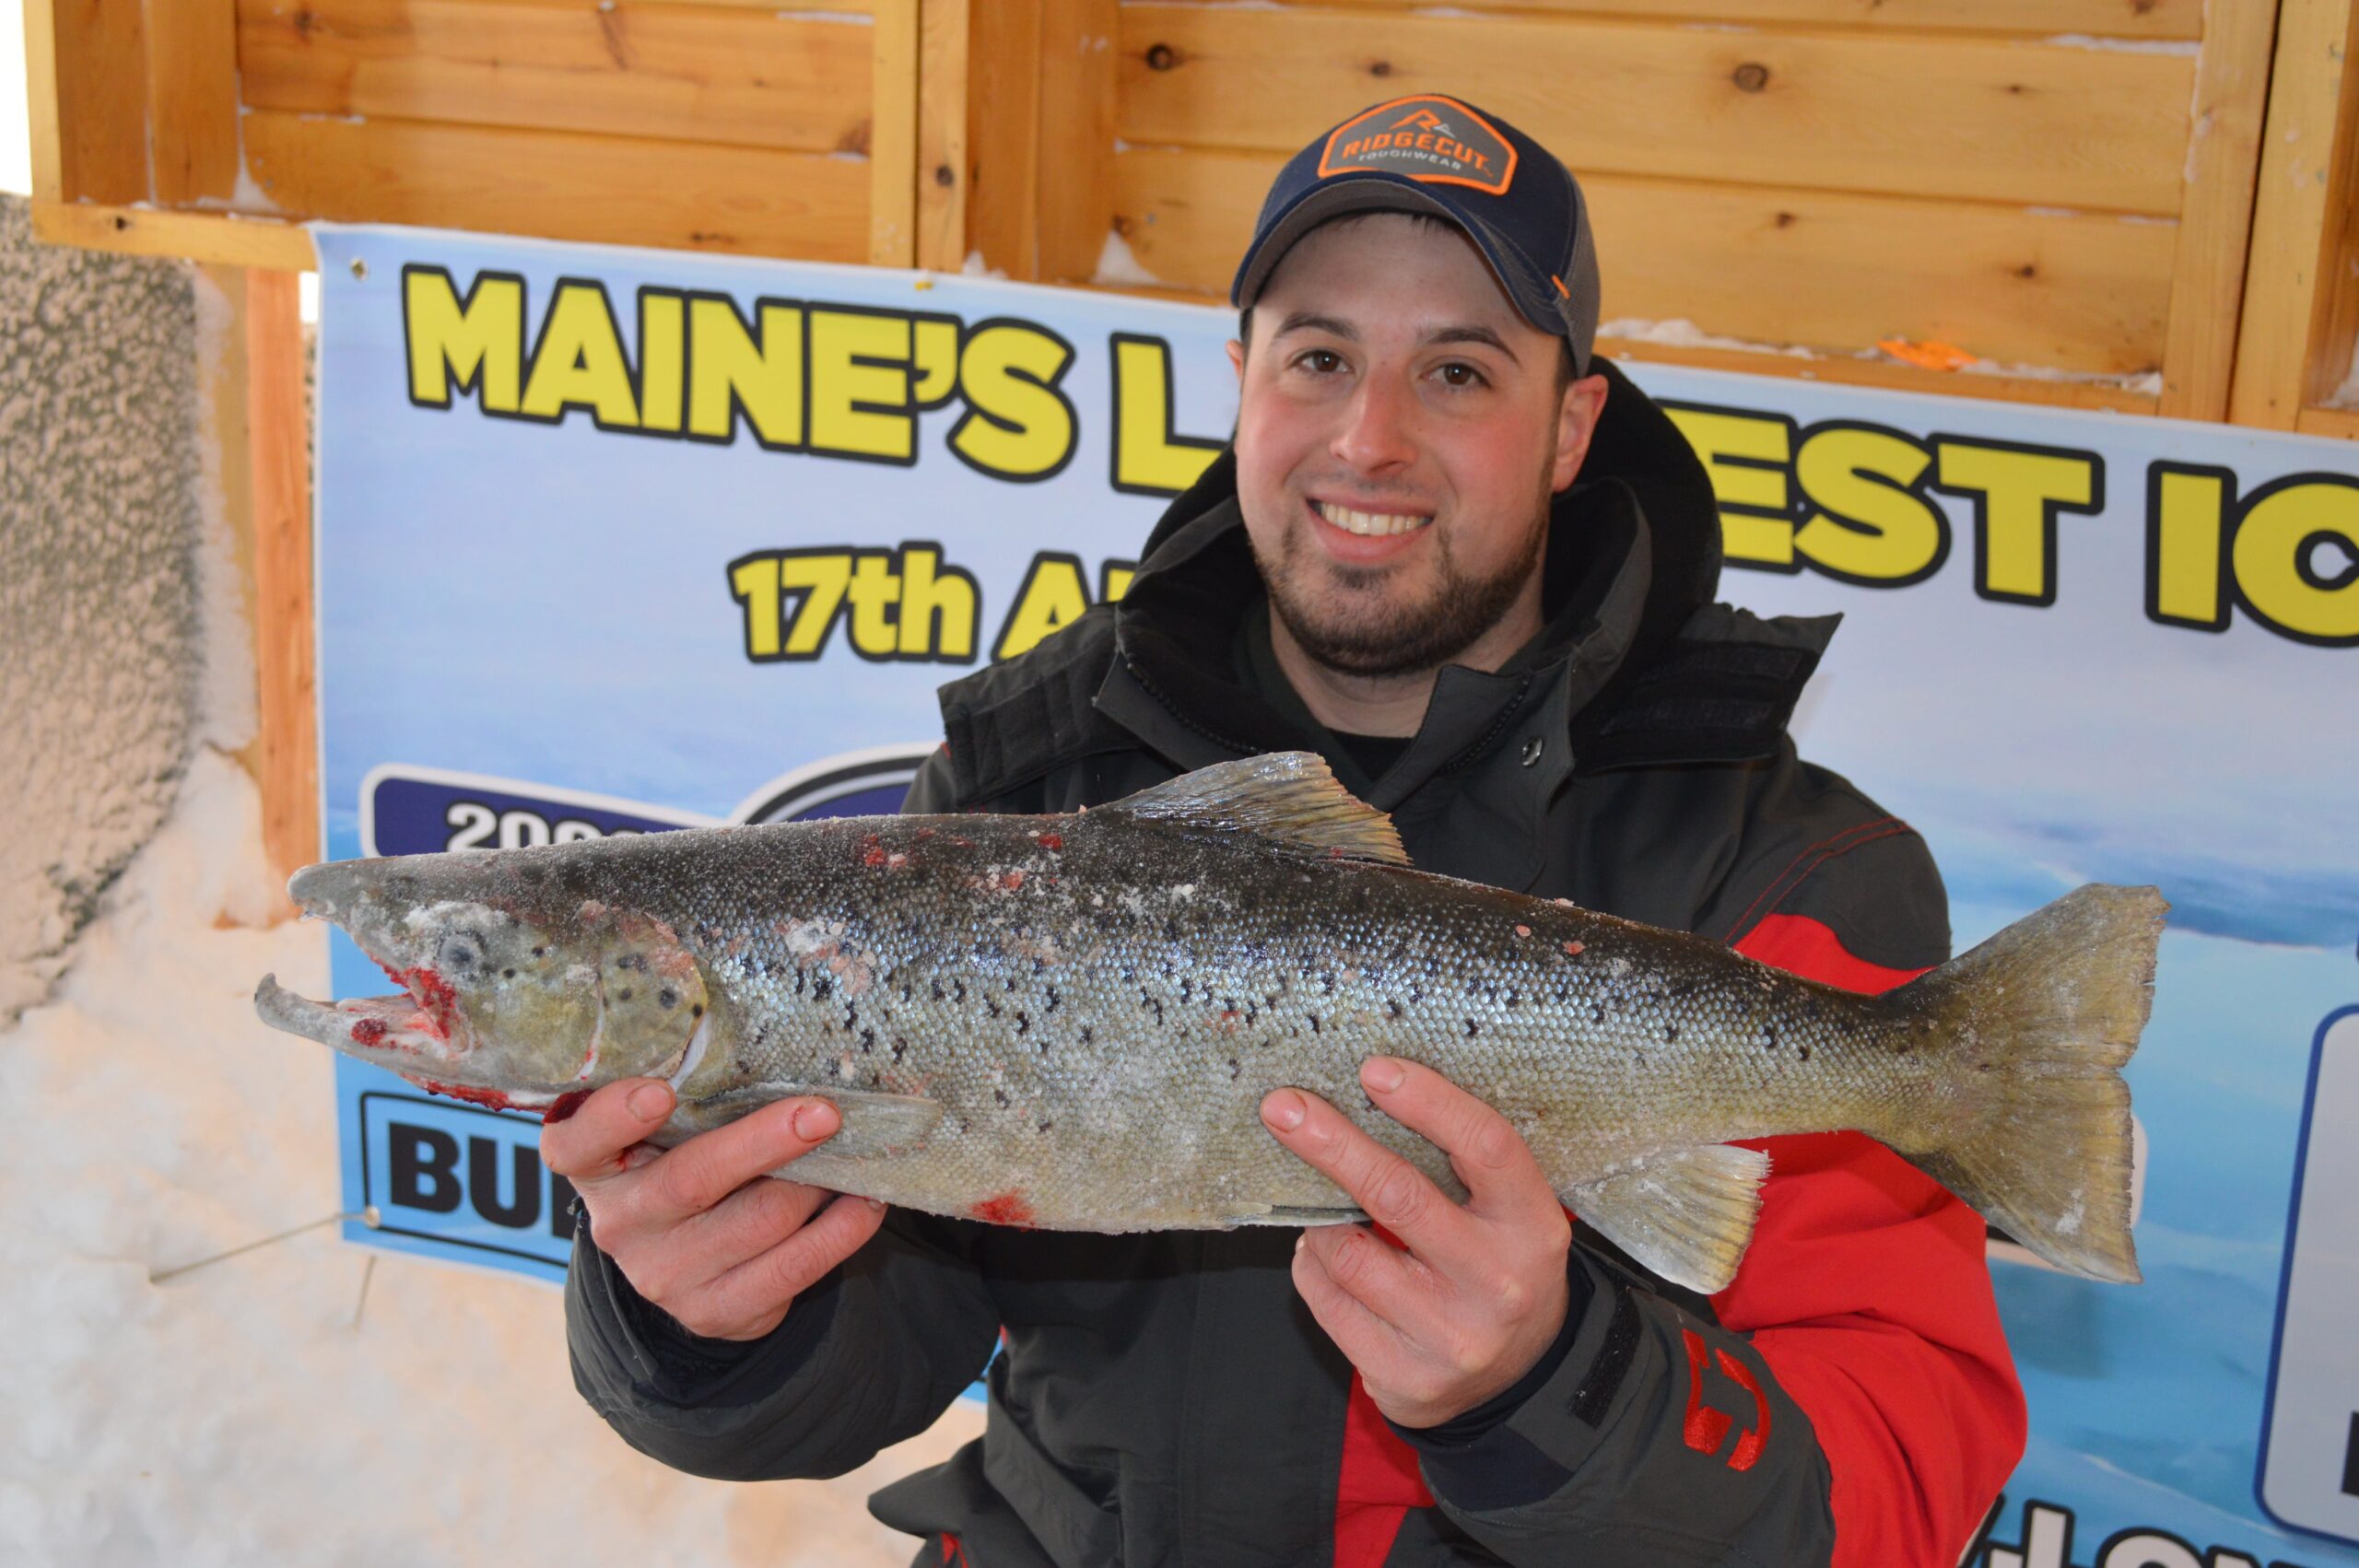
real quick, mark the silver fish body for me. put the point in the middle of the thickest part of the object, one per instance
(1069, 1022)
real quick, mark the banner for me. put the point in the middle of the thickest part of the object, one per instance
(618, 542)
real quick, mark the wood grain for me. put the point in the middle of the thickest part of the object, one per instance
(1835, 273)
(2295, 269)
(99, 54)
(221, 238)
(2038, 123)
(1076, 117)
(278, 430)
(766, 78)
(193, 100)
(893, 136)
(942, 174)
(2154, 20)
(560, 186)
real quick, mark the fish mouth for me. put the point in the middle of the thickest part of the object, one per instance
(395, 1031)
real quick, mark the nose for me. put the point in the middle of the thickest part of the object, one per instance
(1378, 435)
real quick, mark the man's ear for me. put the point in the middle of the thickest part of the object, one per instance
(1237, 359)
(1583, 405)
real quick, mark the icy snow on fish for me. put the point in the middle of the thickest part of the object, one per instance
(1069, 1022)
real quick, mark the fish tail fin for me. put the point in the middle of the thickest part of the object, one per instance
(2039, 1021)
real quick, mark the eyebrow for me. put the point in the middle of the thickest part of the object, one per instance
(1305, 321)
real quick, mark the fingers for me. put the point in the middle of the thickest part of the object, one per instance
(590, 1145)
(700, 1173)
(750, 1299)
(1390, 1190)
(1363, 1337)
(1399, 1288)
(1491, 1158)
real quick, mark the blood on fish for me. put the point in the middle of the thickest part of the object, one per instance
(369, 1031)
(1052, 841)
(1574, 948)
(493, 1099)
(1008, 1209)
(1523, 931)
(872, 852)
(565, 1105)
(1011, 880)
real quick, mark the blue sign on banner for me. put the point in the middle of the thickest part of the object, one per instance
(646, 585)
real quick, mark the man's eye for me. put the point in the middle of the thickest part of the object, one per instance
(1457, 373)
(1323, 361)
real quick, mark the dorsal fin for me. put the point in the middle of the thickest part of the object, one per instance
(1289, 798)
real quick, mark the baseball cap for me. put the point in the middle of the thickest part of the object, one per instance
(1430, 153)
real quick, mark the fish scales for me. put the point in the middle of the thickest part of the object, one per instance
(1069, 1022)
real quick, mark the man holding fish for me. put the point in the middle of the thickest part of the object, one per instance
(1474, 570)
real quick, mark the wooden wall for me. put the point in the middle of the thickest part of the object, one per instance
(2077, 195)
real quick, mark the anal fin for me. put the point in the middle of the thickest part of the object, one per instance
(1684, 1213)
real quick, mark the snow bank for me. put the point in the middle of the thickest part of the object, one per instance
(255, 1409)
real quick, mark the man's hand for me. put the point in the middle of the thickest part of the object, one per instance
(699, 1229)
(1479, 1292)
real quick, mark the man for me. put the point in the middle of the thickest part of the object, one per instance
(1474, 570)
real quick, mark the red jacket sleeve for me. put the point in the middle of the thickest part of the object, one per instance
(1867, 1292)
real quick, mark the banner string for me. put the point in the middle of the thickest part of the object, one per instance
(367, 1216)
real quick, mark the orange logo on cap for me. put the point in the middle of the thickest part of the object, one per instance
(1439, 140)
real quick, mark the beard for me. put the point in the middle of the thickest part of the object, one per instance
(1343, 617)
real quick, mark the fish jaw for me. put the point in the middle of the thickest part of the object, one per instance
(396, 1033)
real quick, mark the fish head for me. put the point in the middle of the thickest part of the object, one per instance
(512, 989)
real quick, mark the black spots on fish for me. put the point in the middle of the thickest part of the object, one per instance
(1770, 1037)
(991, 1002)
(1023, 1023)
(867, 1040)
(508, 974)
(1515, 996)
(1597, 1012)
(1046, 1125)
(1171, 931)
(901, 1048)
(540, 952)
(999, 1094)
(1670, 1033)
(1314, 1023)
(1416, 991)
(936, 988)
(1088, 1035)
(696, 1009)
(958, 989)
(1472, 1028)
(1393, 1006)
(634, 962)
(1039, 965)
(624, 994)
(1327, 981)
(1186, 987)
(851, 1018)
(1052, 1001)
(1803, 1050)
(822, 987)
(1011, 982)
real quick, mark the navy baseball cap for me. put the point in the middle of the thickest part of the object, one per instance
(1434, 153)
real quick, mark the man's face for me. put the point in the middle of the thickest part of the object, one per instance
(1399, 435)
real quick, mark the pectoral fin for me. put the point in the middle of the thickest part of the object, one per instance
(873, 1123)
(1684, 1213)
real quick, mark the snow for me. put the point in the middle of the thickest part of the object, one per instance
(1117, 267)
(255, 1409)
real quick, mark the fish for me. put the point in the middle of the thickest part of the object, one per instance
(1068, 1022)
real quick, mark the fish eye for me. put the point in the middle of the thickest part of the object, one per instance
(459, 954)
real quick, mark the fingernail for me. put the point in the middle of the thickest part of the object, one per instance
(1282, 1111)
(649, 1101)
(875, 1203)
(1382, 1074)
(816, 1121)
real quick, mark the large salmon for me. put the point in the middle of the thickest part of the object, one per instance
(1068, 1022)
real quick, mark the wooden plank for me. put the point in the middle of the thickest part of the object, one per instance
(1076, 117)
(694, 72)
(228, 239)
(746, 200)
(2338, 424)
(2215, 223)
(2078, 293)
(1892, 377)
(2042, 19)
(99, 51)
(1003, 136)
(278, 430)
(892, 138)
(193, 100)
(40, 99)
(2017, 122)
(2294, 271)
(942, 134)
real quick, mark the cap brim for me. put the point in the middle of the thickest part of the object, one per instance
(1385, 193)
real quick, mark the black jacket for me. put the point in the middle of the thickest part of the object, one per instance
(1167, 1398)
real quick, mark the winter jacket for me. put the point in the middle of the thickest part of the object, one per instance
(1167, 1398)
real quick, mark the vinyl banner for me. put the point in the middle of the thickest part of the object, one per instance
(620, 542)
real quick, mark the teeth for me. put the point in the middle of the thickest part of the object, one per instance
(1368, 524)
